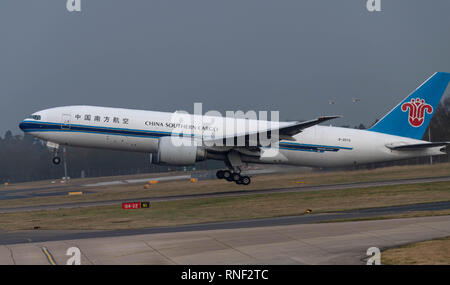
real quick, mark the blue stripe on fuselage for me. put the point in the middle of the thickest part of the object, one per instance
(28, 126)
(33, 126)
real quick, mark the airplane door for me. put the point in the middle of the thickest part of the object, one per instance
(65, 122)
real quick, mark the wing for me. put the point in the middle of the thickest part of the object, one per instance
(299, 126)
(285, 132)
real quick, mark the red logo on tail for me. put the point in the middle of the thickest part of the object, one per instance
(417, 108)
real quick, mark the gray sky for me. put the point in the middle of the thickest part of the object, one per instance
(292, 56)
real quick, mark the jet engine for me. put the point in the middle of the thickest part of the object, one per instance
(178, 151)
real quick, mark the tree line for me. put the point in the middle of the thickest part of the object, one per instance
(26, 158)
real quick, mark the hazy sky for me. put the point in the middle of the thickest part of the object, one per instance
(292, 56)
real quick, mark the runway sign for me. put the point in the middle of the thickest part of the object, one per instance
(135, 205)
(131, 205)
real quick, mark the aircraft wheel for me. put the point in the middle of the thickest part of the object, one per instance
(219, 174)
(245, 180)
(236, 176)
(56, 160)
(226, 174)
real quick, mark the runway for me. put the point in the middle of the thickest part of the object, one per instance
(330, 243)
(62, 190)
(303, 239)
(13, 237)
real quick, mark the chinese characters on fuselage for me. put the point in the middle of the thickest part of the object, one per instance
(104, 119)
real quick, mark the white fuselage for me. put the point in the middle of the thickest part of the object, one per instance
(136, 130)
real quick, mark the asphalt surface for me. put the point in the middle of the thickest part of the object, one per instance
(36, 236)
(60, 190)
(35, 192)
(63, 191)
(314, 243)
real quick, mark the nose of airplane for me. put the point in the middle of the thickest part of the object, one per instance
(22, 125)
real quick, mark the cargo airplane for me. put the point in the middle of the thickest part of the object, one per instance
(183, 139)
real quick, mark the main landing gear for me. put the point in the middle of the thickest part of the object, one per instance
(233, 177)
(234, 163)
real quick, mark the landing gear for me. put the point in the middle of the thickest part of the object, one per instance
(55, 147)
(56, 160)
(227, 174)
(233, 177)
(224, 174)
(234, 163)
(236, 177)
(219, 174)
(245, 180)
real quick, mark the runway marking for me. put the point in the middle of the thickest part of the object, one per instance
(48, 255)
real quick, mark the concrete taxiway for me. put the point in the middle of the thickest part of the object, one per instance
(329, 243)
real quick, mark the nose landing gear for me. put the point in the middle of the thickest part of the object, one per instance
(56, 160)
(55, 148)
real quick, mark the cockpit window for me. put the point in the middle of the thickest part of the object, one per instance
(35, 117)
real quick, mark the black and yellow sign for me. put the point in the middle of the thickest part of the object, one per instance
(145, 204)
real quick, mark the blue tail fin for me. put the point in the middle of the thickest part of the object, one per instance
(410, 118)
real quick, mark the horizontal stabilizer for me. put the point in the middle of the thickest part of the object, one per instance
(419, 146)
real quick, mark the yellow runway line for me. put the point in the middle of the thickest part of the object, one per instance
(75, 193)
(48, 255)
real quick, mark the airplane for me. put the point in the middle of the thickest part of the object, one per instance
(183, 139)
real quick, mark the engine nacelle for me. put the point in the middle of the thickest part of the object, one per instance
(178, 151)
